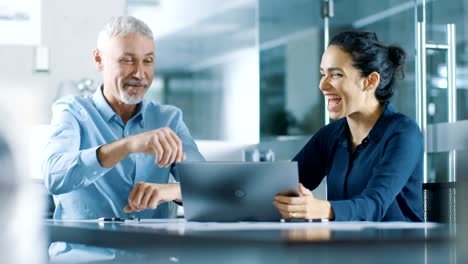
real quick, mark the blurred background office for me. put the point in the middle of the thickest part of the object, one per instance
(247, 71)
(244, 72)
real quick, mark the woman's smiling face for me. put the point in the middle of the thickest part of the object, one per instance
(341, 83)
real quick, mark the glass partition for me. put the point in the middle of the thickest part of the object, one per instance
(438, 15)
(249, 69)
(447, 92)
(291, 37)
(291, 47)
(393, 22)
(207, 64)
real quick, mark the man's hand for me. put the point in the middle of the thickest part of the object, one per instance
(303, 207)
(150, 195)
(162, 143)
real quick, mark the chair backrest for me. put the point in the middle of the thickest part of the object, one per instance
(440, 197)
(50, 205)
(440, 202)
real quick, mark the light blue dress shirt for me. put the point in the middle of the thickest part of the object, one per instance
(81, 187)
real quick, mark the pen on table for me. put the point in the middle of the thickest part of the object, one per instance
(117, 219)
(110, 219)
(316, 220)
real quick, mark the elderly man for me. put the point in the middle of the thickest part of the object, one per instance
(110, 154)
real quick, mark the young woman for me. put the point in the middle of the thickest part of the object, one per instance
(372, 155)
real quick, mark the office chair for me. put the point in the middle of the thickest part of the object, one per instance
(440, 202)
(50, 205)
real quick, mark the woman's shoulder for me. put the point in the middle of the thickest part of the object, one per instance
(401, 122)
(403, 128)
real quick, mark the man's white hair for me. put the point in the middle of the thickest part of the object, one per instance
(122, 25)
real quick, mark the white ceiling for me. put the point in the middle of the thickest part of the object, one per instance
(188, 33)
(191, 32)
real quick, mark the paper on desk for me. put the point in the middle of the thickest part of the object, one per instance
(399, 225)
(182, 225)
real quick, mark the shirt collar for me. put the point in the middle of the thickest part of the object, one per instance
(343, 135)
(106, 111)
(141, 109)
(376, 132)
(102, 105)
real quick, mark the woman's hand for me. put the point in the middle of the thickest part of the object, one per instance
(305, 206)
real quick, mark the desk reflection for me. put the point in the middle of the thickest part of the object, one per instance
(305, 235)
(189, 242)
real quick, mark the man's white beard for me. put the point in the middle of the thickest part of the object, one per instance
(130, 99)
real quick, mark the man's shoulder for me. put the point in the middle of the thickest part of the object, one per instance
(160, 114)
(80, 107)
(152, 106)
(72, 101)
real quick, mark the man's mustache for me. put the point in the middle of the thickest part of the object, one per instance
(136, 82)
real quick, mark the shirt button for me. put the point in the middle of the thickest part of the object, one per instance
(95, 173)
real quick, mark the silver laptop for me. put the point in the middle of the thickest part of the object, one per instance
(235, 191)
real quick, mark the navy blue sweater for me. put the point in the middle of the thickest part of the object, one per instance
(380, 181)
